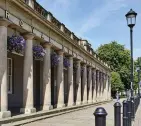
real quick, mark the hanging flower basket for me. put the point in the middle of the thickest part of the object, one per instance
(54, 59)
(38, 52)
(16, 44)
(66, 62)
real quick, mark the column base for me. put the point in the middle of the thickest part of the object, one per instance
(94, 101)
(5, 114)
(89, 101)
(78, 103)
(47, 107)
(70, 104)
(60, 105)
(28, 110)
(84, 102)
(97, 100)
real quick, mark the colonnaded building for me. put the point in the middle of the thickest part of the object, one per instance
(43, 65)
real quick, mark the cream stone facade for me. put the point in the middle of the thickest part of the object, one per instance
(37, 85)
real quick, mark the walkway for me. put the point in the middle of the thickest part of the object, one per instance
(83, 117)
(138, 117)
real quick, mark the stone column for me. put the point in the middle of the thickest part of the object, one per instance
(47, 78)
(90, 85)
(105, 87)
(102, 87)
(97, 86)
(28, 99)
(70, 83)
(78, 83)
(3, 69)
(94, 85)
(60, 81)
(109, 88)
(84, 79)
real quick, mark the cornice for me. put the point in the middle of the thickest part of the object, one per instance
(39, 17)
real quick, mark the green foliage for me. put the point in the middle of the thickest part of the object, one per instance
(137, 63)
(125, 76)
(135, 86)
(116, 83)
(118, 57)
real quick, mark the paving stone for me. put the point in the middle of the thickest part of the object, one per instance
(138, 117)
(78, 118)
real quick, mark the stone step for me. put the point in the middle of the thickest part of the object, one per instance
(24, 119)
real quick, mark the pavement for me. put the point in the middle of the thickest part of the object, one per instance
(138, 117)
(84, 117)
(78, 118)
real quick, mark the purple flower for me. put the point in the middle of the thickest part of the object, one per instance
(16, 43)
(66, 62)
(54, 59)
(38, 52)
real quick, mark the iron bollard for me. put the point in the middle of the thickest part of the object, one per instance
(129, 112)
(125, 113)
(138, 101)
(100, 116)
(132, 108)
(139, 98)
(135, 103)
(117, 114)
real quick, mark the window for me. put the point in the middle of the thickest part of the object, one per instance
(9, 75)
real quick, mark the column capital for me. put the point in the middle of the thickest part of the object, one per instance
(60, 52)
(70, 57)
(28, 36)
(89, 67)
(98, 70)
(4, 22)
(47, 44)
(78, 61)
(84, 64)
(93, 69)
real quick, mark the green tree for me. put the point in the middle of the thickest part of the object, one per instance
(118, 57)
(137, 63)
(116, 83)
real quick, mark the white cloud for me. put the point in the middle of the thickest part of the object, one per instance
(97, 16)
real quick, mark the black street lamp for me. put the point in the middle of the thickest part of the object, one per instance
(131, 21)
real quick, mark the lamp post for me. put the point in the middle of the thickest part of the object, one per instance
(131, 21)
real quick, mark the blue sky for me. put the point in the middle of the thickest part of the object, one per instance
(98, 21)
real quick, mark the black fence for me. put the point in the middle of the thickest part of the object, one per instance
(129, 107)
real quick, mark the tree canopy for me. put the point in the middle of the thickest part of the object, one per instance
(137, 63)
(118, 57)
(116, 82)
